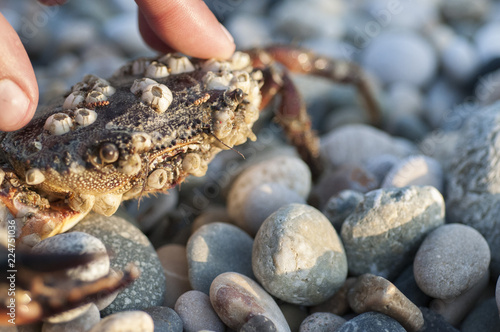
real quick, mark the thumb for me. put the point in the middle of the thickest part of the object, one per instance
(18, 88)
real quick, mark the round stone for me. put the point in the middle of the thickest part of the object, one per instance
(485, 37)
(165, 319)
(128, 245)
(460, 60)
(321, 322)
(126, 321)
(195, 310)
(298, 257)
(173, 258)
(401, 56)
(263, 200)
(383, 233)
(372, 322)
(216, 248)
(237, 299)
(451, 260)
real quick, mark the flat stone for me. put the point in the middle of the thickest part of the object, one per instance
(126, 321)
(298, 257)
(373, 293)
(237, 298)
(372, 322)
(195, 310)
(128, 245)
(451, 260)
(322, 322)
(173, 259)
(217, 248)
(165, 319)
(387, 227)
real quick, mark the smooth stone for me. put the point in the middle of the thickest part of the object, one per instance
(441, 97)
(460, 60)
(411, 127)
(372, 322)
(406, 283)
(401, 56)
(298, 257)
(473, 184)
(173, 259)
(483, 318)
(263, 200)
(387, 227)
(374, 293)
(197, 313)
(380, 165)
(121, 29)
(434, 322)
(126, 321)
(484, 38)
(165, 319)
(340, 206)
(413, 16)
(294, 314)
(441, 146)
(337, 304)
(237, 298)
(217, 248)
(416, 170)
(259, 323)
(322, 322)
(210, 215)
(128, 245)
(404, 99)
(82, 323)
(286, 170)
(455, 310)
(452, 259)
(355, 144)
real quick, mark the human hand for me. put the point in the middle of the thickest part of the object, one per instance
(187, 26)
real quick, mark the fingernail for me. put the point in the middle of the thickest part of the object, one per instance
(14, 104)
(228, 35)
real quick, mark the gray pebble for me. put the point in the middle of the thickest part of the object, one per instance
(322, 322)
(216, 248)
(126, 321)
(210, 215)
(82, 323)
(385, 230)
(258, 323)
(340, 206)
(195, 310)
(451, 260)
(372, 322)
(165, 319)
(173, 258)
(434, 322)
(298, 257)
(237, 298)
(483, 318)
(380, 165)
(263, 200)
(128, 245)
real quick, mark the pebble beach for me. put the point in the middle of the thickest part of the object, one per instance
(401, 232)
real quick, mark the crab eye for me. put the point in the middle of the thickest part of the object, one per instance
(109, 153)
(238, 95)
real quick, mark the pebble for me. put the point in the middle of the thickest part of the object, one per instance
(485, 36)
(472, 180)
(340, 206)
(263, 200)
(372, 322)
(216, 248)
(483, 318)
(401, 56)
(289, 171)
(249, 30)
(298, 257)
(259, 323)
(337, 304)
(322, 322)
(82, 323)
(402, 15)
(173, 258)
(152, 210)
(440, 99)
(380, 165)
(373, 293)
(126, 321)
(451, 260)
(441, 146)
(404, 99)
(460, 60)
(497, 295)
(384, 231)
(165, 319)
(196, 312)
(210, 215)
(128, 245)
(76, 243)
(357, 143)
(406, 283)
(416, 170)
(434, 322)
(237, 298)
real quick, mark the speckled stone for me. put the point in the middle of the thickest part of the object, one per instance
(195, 310)
(175, 267)
(387, 227)
(82, 323)
(286, 170)
(434, 322)
(322, 322)
(126, 321)
(372, 322)
(128, 245)
(165, 319)
(298, 257)
(374, 293)
(473, 189)
(217, 248)
(340, 206)
(452, 259)
(483, 318)
(237, 298)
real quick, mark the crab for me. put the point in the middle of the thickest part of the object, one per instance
(152, 124)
